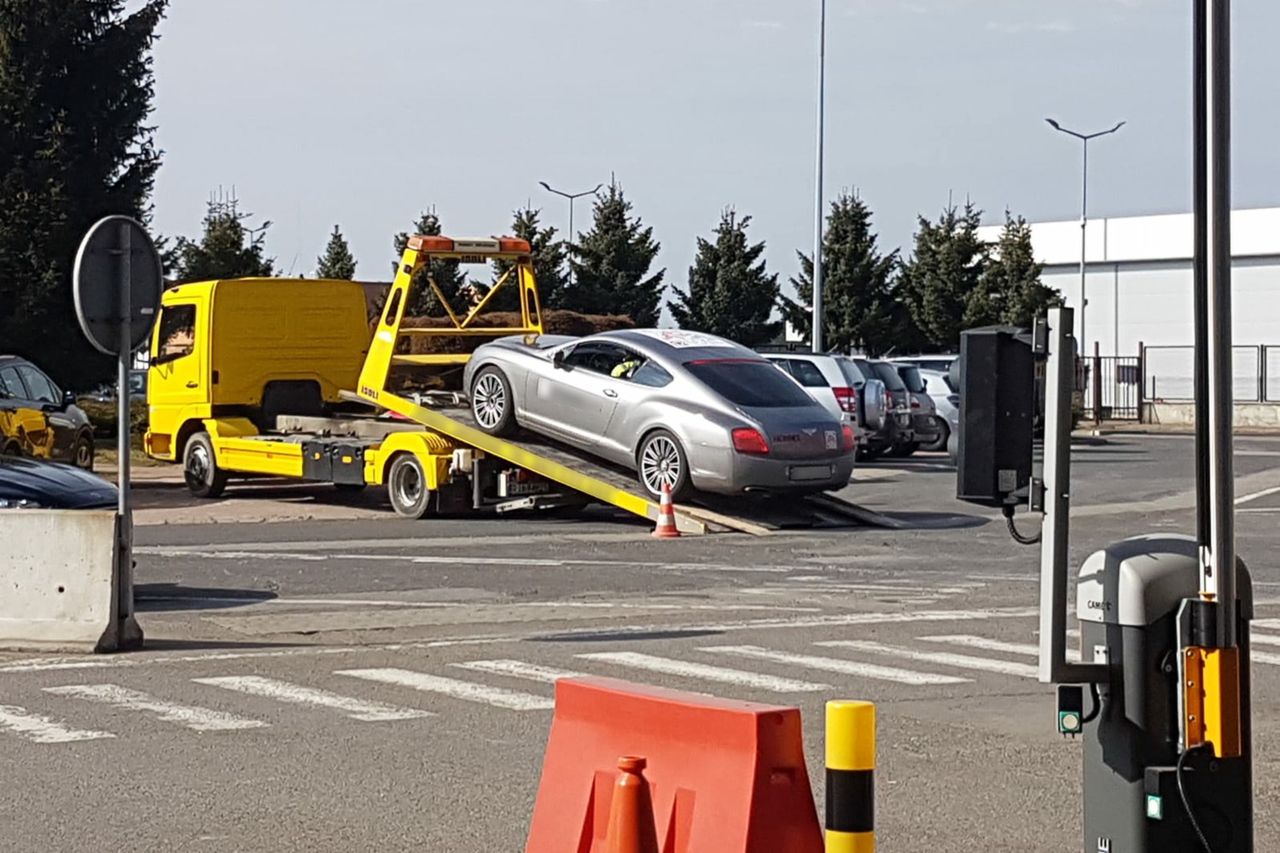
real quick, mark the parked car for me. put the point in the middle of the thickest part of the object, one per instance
(898, 434)
(931, 433)
(837, 383)
(35, 484)
(946, 399)
(107, 391)
(37, 419)
(684, 410)
(941, 361)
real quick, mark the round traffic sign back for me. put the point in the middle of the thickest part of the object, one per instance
(117, 275)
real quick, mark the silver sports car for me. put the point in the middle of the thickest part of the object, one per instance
(683, 409)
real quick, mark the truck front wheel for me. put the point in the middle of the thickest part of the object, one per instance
(200, 467)
(407, 487)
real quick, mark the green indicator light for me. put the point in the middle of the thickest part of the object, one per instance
(1069, 723)
(1155, 807)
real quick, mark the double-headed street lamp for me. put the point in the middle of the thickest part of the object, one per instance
(1084, 212)
(572, 198)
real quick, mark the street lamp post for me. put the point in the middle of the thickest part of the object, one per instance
(816, 337)
(1081, 342)
(572, 198)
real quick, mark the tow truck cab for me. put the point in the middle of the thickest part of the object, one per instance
(253, 349)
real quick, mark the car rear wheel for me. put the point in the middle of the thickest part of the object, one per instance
(11, 448)
(491, 402)
(82, 455)
(200, 468)
(407, 487)
(660, 460)
(939, 443)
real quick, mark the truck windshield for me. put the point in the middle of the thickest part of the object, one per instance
(750, 383)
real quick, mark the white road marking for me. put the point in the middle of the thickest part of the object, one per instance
(973, 642)
(41, 729)
(1263, 639)
(723, 675)
(1266, 623)
(1264, 657)
(512, 700)
(1253, 496)
(843, 667)
(199, 719)
(1002, 667)
(519, 669)
(283, 691)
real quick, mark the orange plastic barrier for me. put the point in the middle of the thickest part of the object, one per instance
(724, 776)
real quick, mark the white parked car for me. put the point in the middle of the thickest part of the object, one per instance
(946, 399)
(836, 382)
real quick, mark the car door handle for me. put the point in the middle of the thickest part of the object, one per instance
(609, 392)
(191, 384)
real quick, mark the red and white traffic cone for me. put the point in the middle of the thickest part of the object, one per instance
(666, 528)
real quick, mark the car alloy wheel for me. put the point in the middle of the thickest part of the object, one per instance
(489, 401)
(84, 454)
(660, 464)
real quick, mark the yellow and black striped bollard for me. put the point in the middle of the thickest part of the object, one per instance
(851, 767)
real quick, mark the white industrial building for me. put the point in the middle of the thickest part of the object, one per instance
(1139, 291)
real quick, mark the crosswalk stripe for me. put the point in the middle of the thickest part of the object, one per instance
(41, 729)
(1264, 657)
(689, 669)
(1263, 639)
(199, 719)
(973, 642)
(469, 691)
(519, 669)
(838, 665)
(1002, 667)
(283, 691)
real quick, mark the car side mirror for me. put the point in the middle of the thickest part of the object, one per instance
(68, 399)
(558, 359)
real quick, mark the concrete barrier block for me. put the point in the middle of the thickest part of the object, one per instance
(59, 583)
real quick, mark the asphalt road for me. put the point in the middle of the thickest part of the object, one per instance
(348, 681)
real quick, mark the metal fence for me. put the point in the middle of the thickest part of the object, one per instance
(1110, 387)
(1169, 373)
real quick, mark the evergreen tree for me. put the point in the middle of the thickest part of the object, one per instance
(942, 285)
(227, 248)
(337, 261)
(730, 293)
(448, 275)
(76, 91)
(549, 256)
(1014, 276)
(858, 306)
(611, 267)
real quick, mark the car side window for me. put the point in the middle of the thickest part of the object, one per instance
(38, 385)
(808, 374)
(10, 384)
(177, 336)
(651, 375)
(599, 358)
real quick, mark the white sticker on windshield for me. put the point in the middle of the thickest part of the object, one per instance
(681, 339)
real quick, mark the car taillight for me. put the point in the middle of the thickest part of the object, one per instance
(747, 440)
(915, 404)
(847, 399)
(847, 439)
(888, 399)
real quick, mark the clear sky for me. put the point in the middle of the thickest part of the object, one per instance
(364, 113)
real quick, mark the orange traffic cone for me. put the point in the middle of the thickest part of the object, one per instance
(666, 528)
(631, 825)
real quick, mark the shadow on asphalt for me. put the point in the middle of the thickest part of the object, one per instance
(617, 636)
(173, 645)
(172, 597)
(936, 520)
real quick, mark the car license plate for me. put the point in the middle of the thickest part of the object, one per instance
(810, 472)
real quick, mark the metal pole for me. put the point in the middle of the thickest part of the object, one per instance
(572, 197)
(1084, 242)
(1200, 255)
(124, 445)
(1222, 555)
(571, 237)
(817, 215)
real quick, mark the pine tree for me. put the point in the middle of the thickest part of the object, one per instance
(76, 90)
(858, 309)
(227, 248)
(942, 285)
(549, 256)
(611, 267)
(1014, 276)
(730, 294)
(337, 261)
(448, 275)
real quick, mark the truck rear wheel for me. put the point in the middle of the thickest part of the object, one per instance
(407, 487)
(200, 467)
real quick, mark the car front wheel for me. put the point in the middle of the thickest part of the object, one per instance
(939, 443)
(82, 455)
(660, 460)
(491, 402)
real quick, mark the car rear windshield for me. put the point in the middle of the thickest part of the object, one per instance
(888, 374)
(751, 383)
(852, 374)
(911, 378)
